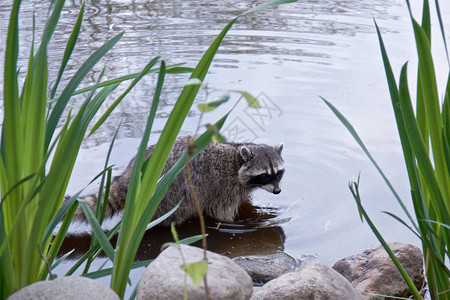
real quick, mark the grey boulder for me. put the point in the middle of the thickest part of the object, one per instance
(164, 278)
(66, 288)
(263, 268)
(314, 281)
(373, 272)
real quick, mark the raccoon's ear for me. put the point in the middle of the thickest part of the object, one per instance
(279, 148)
(246, 154)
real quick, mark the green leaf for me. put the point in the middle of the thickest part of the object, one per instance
(355, 191)
(71, 42)
(171, 69)
(163, 217)
(97, 230)
(355, 135)
(20, 182)
(190, 81)
(197, 271)
(127, 242)
(108, 271)
(61, 259)
(441, 26)
(92, 250)
(118, 100)
(268, 4)
(62, 211)
(210, 106)
(73, 84)
(191, 239)
(252, 101)
(421, 151)
(174, 232)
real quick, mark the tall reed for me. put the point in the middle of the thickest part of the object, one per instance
(33, 186)
(424, 134)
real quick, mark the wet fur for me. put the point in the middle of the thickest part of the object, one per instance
(215, 174)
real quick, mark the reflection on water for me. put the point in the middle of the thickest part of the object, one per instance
(292, 54)
(180, 31)
(256, 230)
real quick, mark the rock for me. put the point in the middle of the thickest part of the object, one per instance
(313, 281)
(69, 288)
(164, 278)
(263, 268)
(373, 272)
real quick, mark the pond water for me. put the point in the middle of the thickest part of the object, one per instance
(286, 56)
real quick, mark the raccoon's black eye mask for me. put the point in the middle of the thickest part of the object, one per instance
(266, 178)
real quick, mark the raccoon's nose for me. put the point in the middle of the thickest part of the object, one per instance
(276, 190)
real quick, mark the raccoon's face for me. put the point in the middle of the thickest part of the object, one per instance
(263, 167)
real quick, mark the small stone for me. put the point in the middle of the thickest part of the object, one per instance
(263, 268)
(315, 281)
(66, 288)
(373, 272)
(164, 278)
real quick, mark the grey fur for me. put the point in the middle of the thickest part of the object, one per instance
(224, 175)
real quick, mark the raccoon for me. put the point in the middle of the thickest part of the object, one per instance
(223, 174)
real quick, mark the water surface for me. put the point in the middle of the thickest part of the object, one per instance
(287, 56)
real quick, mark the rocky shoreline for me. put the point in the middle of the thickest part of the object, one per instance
(368, 275)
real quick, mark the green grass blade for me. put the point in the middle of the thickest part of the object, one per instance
(162, 218)
(355, 135)
(101, 214)
(33, 114)
(97, 230)
(139, 160)
(73, 84)
(16, 185)
(434, 118)
(6, 266)
(59, 172)
(421, 152)
(251, 100)
(426, 20)
(59, 216)
(446, 122)
(210, 106)
(102, 198)
(98, 100)
(113, 106)
(108, 271)
(441, 27)
(52, 21)
(12, 127)
(125, 256)
(26, 89)
(268, 4)
(403, 223)
(408, 153)
(92, 250)
(61, 259)
(171, 69)
(191, 239)
(71, 42)
(354, 188)
(60, 236)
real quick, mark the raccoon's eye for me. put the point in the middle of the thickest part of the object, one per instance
(280, 174)
(263, 176)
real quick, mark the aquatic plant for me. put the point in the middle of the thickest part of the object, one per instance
(39, 148)
(426, 149)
